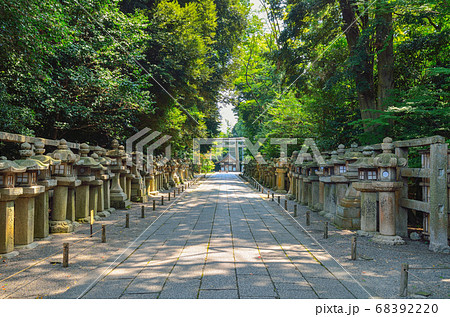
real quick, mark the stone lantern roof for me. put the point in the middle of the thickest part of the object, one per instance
(388, 158)
(367, 160)
(10, 166)
(45, 159)
(353, 153)
(100, 152)
(98, 159)
(64, 154)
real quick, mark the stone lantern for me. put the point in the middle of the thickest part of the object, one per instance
(367, 174)
(41, 215)
(137, 182)
(8, 193)
(386, 186)
(118, 197)
(314, 191)
(63, 211)
(281, 170)
(126, 175)
(305, 183)
(25, 204)
(152, 178)
(329, 189)
(105, 203)
(292, 176)
(348, 213)
(101, 174)
(171, 168)
(87, 192)
(298, 181)
(324, 185)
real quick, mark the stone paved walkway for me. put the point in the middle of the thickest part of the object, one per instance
(222, 241)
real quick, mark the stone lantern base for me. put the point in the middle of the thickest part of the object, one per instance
(63, 226)
(388, 240)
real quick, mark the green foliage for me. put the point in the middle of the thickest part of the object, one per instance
(92, 70)
(324, 77)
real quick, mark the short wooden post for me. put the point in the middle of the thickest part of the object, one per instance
(404, 280)
(103, 233)
(91, 222)
(162, 200)
(273, 196)
(154, 205)
(285, 204)
(262, 189)
(268, 194)
(308, 218)
(353, 254)
(325, 230)
(127, 220)
(142, 212)
(174, 192)
(65, 262)
(168, 199)
(295, 210)
(279, 201)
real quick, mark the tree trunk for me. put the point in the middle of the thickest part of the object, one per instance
(385, 54)
(363, 68)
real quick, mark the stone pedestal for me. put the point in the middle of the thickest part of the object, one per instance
(315, 192)
(368, 209)
(94, 197)
(299, 188)
(6, 227)
(59, 222)
(118, 197)
(348, 213)
(7, 197)
(24, 215)
(388, 208)
(82, 203)
(107, 193)
(41, 213)
(71, 206)
(281, 185)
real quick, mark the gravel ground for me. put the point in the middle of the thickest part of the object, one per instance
(377, 267)
(47, 278)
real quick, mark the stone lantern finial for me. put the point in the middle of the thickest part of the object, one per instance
(98, 150)
(368, 151)
(387, 146)
(25, 150)
(115, 144)
(62, 145)
(39, 148)
(84, 150)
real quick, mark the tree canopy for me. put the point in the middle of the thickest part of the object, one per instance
(339, 71)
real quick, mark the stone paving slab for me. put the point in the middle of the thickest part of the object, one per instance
(219, 294)
(224, 242)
